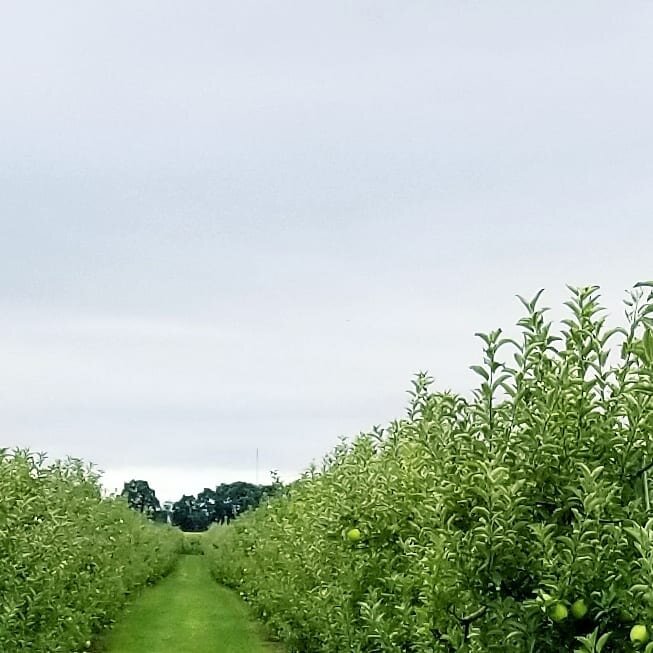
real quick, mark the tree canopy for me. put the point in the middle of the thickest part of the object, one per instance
(141, 497)
(226, 502)
(197, 513)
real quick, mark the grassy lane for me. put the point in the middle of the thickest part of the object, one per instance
(187, 612)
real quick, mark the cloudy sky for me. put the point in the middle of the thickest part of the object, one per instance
(236, 225)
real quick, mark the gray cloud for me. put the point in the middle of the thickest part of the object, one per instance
(235, 225)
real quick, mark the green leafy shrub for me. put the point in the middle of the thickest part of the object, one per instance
(68, 557)
(479, 521)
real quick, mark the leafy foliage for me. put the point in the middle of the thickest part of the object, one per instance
(226, 502)
(69, 557)
(140, 496)
(482, 520)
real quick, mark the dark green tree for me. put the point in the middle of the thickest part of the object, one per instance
(141, 497)
(221, 505)
(189, 514)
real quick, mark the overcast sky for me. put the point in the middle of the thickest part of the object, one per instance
(238, 225)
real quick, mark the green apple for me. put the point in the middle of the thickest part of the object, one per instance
(353, 535)
(558, 612)
(579, 609)
(639, 634)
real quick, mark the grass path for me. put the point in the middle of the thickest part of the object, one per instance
(187, 612)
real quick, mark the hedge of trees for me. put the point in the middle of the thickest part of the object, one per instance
(69, 558)
(517, 520)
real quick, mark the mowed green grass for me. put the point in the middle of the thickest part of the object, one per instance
(188, 612)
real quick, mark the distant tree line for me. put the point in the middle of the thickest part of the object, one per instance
(196, 513)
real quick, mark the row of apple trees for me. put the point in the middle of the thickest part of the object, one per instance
(69, 558)
(517, 519)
